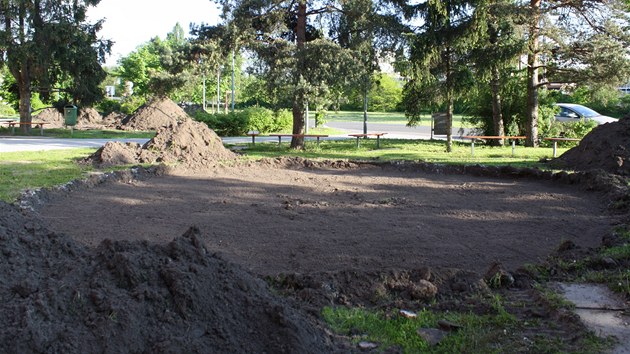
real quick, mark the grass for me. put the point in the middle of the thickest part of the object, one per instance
(386, 118)
(81, 134)
(401, 149)
(36, 169)
(479, 334)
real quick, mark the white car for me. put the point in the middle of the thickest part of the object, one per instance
(570, 112)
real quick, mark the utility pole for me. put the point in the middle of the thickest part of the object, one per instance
(232, 80)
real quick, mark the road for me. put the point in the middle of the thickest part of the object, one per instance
(394, 131)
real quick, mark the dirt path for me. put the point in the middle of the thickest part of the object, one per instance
(273, 220)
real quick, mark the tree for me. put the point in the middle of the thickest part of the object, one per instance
(577, 40)
(49, 43)
(295, 57)
(495, 60)
(439, 59)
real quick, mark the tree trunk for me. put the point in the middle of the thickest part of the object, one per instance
(497, 115)
(24, 88)
(365, 111)
(449, 102)
(449, 123)
(532, 75)
(297, 142)
(298, 98)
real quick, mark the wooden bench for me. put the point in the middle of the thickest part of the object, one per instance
(298, 136)
(253, 134)
(39, 125)
(555, 143)
(377, 135)
(492, 137)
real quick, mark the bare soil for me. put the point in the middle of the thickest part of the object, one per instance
(171, 259)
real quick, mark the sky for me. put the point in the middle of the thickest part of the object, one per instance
(131, 23)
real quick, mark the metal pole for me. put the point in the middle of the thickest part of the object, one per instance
(219, 90)
(204, 92)
(307, 120)
(365, 108)
(232, 80)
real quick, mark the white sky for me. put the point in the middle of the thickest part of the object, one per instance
(130, 23)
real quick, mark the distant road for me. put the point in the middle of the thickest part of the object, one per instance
(10, 144)
(394, 131)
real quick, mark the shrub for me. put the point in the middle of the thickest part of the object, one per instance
(131, 103)
(283, 120)
(6, 110)
(259, 118)
(568, 130)
(230, 124)
(108, 106)
(240, 122)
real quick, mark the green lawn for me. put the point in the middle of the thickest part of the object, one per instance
(413, 150)
(386, 117)
(36, 169)
(22, 170)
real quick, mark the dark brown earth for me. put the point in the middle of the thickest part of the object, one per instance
(606, 147)
(99, 265)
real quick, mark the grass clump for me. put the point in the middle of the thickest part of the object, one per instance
(478, 333)
(37, 169)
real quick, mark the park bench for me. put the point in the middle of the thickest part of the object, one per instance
(491, 137)
(298, 136)
(377, 135)
(555, 143)
(39, 125)
(253, 134)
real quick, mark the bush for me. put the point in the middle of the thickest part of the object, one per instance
(259, 118)
(230, 124)
(283, 120)
(6, 110)
(131, 103)
(575, 130)
(108, 106)
(240, 122)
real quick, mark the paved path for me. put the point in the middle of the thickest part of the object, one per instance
(394, 131)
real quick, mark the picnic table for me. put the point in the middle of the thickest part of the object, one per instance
(491, 137)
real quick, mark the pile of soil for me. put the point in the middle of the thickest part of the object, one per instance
(59, 296)
(89, 118)
(158, 113)
(52, 116)
(606, 147)
(190, 143)
(114, 120)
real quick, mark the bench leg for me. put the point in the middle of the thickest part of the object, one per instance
(555, 148)
(513, 146)
(279, 140)
(253, 139)
(13, 129)
(318, 141)
(472, 148)
(41, 129)
(358, 144)
(378, 141)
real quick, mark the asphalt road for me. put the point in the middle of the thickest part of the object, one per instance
(394, 131)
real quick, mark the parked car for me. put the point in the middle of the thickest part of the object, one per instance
(570, 112)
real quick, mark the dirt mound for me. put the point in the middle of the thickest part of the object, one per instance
(89, 118)
(299, 163)
(190, 143)
(52, 116)
(606, 147)
(160, 112)
(136, 297)
(113, 120)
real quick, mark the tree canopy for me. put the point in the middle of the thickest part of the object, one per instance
(49, 46)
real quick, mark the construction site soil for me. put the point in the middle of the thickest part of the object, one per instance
(174, 259)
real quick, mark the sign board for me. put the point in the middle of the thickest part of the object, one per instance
(439, 123)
